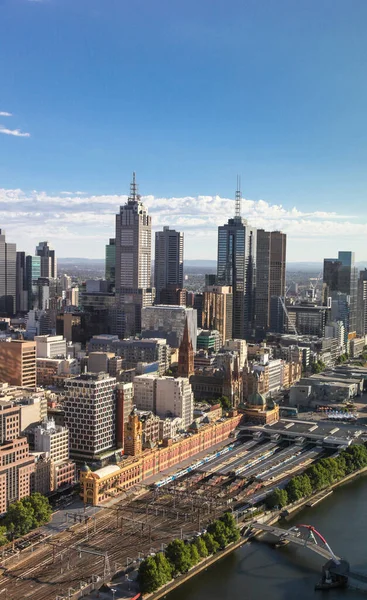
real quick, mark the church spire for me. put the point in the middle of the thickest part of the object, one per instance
(186, 354)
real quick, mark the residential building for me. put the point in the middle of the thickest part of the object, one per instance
(270, 274)
(48, 260)
(50, 346)
(8, 277)
(90, 414)
(9, 420)
(52, 439)
(133, 263)
(168, 263)
(18, 363)
(110, 261)
(336, 329)
(168, 322)
(236, 267)
(217, 311)
(16, 468)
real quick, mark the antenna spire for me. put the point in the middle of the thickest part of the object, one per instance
(238, 199)
(134, 189)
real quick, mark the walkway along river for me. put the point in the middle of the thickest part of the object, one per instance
(257, 570)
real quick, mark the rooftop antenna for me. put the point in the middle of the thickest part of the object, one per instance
(238, 199)
(134, 189)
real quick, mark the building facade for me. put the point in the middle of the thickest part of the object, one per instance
(169, 322)
(217, 310)
(270, 274)
(8, 270)
(16, 469)
(48, 260)
(341, 276)
(110, 261)
(90, 414)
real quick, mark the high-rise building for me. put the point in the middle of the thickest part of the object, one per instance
(362, 303)
(48, 260)
(236, 267)
(217, 310)
(90, 414)
(133, 263)
(168, 262)
(21, 284)
(270, 274)
(110, 261)
(18, 363)
(165, 396)
(341, 276)
(50, 346)
(8, 276)
(16, 469)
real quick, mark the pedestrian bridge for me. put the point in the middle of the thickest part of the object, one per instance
(301, 535)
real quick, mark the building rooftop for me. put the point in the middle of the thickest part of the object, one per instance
(105, 471)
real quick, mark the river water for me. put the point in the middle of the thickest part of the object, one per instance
(259, 572)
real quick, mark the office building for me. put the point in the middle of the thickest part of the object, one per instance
(53, 371)
(270, 274)
(65, 282)
(341, 276)
(8, 277)
(217, 310)
(97, 300)
(209, 340)
(50, 346)
(48, 260)
(307, 319)
(362, 303)
(168, 322)
(18, 363)
(21, 283)
(124, 406)
(52, 439)
(90, 414)
(239, 346)
(133, 263)
(168, 263)
(16, 468)
(33, 274)
(236, 267)
(110, 261)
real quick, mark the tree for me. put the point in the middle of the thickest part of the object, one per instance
(225, 403)
(194, 554)
(19, 519)
(164, 568)
(178, 553)
(41, 507)
(148, 575)
(3, 537)
(211, 544)
(278, 497)
(295, 489)
(232, 531)
(219, 533)
(318, 367)
(201, 547)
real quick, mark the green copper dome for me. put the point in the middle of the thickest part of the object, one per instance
(256, 399)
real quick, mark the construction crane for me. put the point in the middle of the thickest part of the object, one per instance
(290, 323)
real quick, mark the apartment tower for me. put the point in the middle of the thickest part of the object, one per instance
(168, 263)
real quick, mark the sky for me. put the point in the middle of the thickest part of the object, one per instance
(188, 94)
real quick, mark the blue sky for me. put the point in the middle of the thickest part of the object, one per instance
(187, 93)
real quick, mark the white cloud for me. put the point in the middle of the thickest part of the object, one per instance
(14, 132)
(5, 114)
(81, 224)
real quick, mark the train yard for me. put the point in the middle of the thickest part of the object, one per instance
(181, 505)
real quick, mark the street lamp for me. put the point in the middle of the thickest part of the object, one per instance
(113, 590)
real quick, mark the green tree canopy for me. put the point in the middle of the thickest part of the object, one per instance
(3, 536)
(178, 553)
(219, 533)
(164, 567)
(278, 497)
(211, 544)
(148, 575)
(201, 547)
(19, 519)
(41, 507)
(194, 554)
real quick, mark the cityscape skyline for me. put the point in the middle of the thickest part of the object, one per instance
(72, 221)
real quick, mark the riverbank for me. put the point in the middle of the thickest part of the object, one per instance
(269, 518)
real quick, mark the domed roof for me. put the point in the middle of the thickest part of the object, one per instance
(84, 468)
(270, 404)
(256, 399)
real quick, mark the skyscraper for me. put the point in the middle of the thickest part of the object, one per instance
(270, 274)
(168, 263)
(362, 303)
(48, 260)
(341, 276)
(237, 268)
(33, 274)
(21, 284)
(8, 272)
(110, 261)
(133, 263)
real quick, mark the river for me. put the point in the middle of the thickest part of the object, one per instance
(258, 571)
